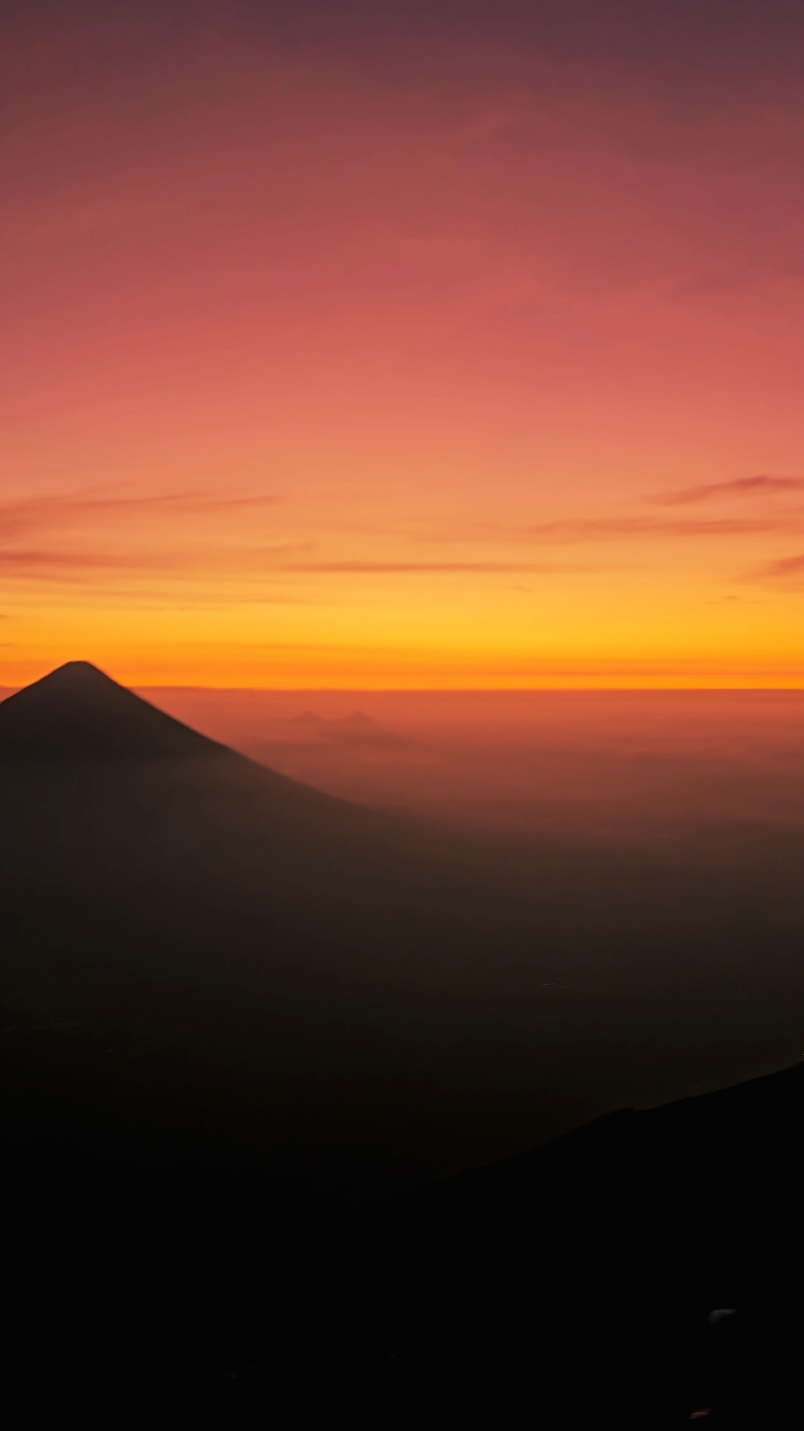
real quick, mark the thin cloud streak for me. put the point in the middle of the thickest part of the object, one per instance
(228, 565)
(612, 528)
(25, 518)
(240, 565)
(18, 518)
(435, 567)
(761, 486)
(787, 569)
(603, 529)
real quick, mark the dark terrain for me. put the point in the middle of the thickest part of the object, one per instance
(640, 1271)
(242, 1018)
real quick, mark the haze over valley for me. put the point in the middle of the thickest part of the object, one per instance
(524, 938)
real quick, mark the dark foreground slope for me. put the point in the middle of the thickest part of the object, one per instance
(241, 1016)
(639, 1272)
(199, 955)
(191, 938)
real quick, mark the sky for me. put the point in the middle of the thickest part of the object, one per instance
(397, 346)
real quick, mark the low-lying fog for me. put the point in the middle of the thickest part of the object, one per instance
(605, 910)
(595, 763)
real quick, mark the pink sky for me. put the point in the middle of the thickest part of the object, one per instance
(460, 355)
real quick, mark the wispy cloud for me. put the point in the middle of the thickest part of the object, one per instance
(761, 486)
(628, 528)
(218, 565)
(243, 565)
(436, 567)
(30, 515)
(615, 528)
(122, 542)
(181, 542)
(25, 562)
(788, 570)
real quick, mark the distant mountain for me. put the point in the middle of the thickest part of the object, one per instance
(357, 729)
(307, 718)
(361, 729)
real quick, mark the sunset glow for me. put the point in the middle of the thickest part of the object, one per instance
(378, 355)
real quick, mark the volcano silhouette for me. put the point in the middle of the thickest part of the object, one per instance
(150, 876)
(78, 713)
(339, 975)
(140, 845)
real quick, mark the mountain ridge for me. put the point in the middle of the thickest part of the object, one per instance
(77, 712)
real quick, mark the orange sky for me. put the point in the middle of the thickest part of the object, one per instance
(423, 355)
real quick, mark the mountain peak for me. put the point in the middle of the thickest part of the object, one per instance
(76, 667)
(79, 713)
(78, 675)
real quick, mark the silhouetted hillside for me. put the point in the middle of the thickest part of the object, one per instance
(639, 1272)
(199, 952)
(78, 713)
(235, 1008)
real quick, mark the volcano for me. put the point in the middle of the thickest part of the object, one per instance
(141, 843)
(161, 892)
(78, 713)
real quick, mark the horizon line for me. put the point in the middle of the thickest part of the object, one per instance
(597, 688)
